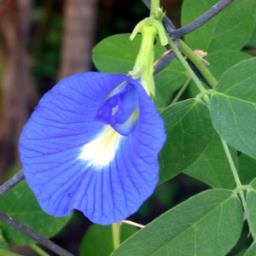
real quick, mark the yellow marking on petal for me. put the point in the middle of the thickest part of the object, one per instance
(102, 149)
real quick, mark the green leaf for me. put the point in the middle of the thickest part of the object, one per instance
(202, 225)
(252, 41)
(247, 169)
(229, 30)
(212, 166)
(98, 240)
(189, 131)
(168, 82)
(251, 251)
(117, 54)
(220, 61)
(251, 206)
(21, 204)
(233, 107)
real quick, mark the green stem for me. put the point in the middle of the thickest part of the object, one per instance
(212, 81)
(155, 4)
(238, 183)
(38, 250)
(181, 91)
(187, 67)
(116, 235)
(231, 163)
(187, 51)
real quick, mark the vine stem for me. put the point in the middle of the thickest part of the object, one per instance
(116, 235)
(32, 234)
(166, 58)
(238, 183)
(213, 82)
(201, 20)
(11, 182)
(187, 51)
(38, 250)
(195, 24)
(187, 67)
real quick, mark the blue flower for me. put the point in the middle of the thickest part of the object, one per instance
(92, 144)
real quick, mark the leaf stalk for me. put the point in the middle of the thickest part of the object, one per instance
(116, 235)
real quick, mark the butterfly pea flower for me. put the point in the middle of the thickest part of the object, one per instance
(92, 144)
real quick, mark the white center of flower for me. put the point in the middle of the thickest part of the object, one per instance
(101, 150)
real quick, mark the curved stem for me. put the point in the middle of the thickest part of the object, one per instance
(187, 51)
(201, 20)
(116, 235)
(187, 67)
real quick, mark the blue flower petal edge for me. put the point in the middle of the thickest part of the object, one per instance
(92, 144)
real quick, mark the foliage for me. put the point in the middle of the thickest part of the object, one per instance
(208, 229)
(193, 146)
(21, 204)
(102, 235)
(211, 136)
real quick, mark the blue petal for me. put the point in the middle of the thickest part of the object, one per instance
(61, 171)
